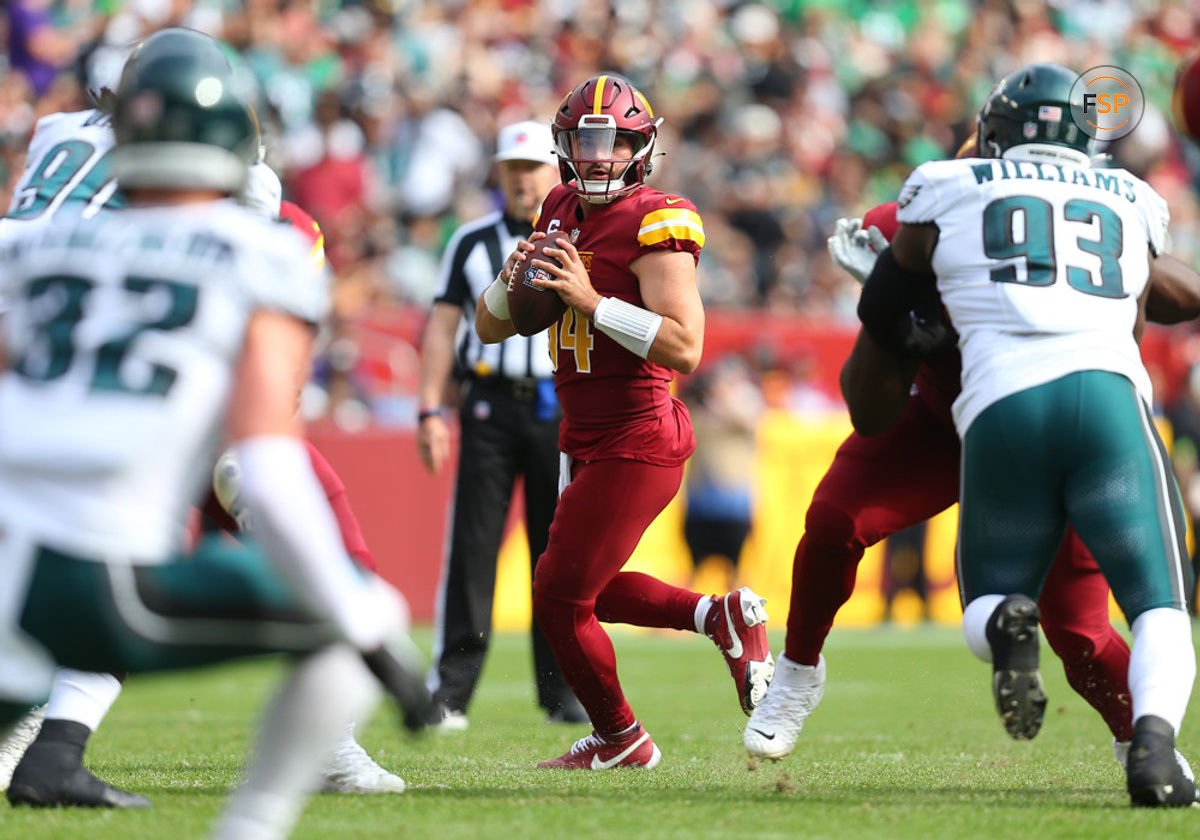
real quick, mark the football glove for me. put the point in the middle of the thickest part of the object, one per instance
(854, 249)
(227, 487)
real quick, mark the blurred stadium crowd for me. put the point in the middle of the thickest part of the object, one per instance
(780, 116)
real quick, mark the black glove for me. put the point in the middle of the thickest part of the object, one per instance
(927, 330)
(396, 665)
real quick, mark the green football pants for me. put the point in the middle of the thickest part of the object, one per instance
(221, 601)
(1081, 449)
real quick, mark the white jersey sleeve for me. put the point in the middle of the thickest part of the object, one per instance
(931, 190)
(1154, 213)
(283, 276)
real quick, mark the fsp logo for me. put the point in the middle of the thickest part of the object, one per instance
(1107, 102)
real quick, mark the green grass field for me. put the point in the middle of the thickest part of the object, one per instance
(905, 744)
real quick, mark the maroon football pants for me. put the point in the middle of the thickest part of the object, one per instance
(578, 582)
(879, 485)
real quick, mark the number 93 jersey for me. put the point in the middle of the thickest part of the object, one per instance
(122, 338)
(1040, 267)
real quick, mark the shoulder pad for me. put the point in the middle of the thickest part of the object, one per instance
(931, 190)
(282, 275)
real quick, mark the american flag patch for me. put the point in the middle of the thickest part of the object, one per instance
(1050, 112)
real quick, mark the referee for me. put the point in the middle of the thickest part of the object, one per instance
(509, 425)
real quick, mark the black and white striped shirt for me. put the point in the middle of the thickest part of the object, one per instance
(473, 258)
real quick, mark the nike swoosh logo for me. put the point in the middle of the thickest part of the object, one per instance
(674, 200)
(735, 650)
(770, 737)
(599, 764)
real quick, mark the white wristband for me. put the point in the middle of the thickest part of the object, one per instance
(495, 298)
(633, 327)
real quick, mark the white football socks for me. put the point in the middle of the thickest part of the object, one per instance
(974, 624)
(701, 615)
(1162, 665)
(82, 696)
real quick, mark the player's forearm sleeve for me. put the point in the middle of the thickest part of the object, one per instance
(294, 524)
(887, 304)
(633, 327)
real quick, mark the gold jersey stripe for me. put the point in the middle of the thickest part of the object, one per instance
(672, 229)
(318, 251)
(666, 223)
(666, 214)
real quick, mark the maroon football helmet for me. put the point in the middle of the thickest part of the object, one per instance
(597, 116)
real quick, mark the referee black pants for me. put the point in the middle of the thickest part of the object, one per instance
(501, 438)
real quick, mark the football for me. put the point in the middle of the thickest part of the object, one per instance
(533, 308)
(1185, 101)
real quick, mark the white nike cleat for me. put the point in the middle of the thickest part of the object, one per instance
(13, 749)
(778, 718)
(351, 770)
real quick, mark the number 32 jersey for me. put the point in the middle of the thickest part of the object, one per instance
(1040, 267)
(615, 403)
(122, 341)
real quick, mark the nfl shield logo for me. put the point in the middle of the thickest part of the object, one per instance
(1029, 130)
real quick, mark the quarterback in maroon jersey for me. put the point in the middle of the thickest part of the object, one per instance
(905, 474)
(634, 318)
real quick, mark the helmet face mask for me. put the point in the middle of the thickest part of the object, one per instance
(1031, 106)
(604, 135)
(179, 118)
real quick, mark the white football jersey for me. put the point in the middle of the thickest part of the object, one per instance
(122, 341)
(66, 164)
(1040, 267)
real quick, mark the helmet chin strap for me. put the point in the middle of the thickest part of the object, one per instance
(598, 197)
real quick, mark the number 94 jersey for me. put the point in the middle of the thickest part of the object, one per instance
(122, 338)
(67, 163)
(615, 403)
(1040, 267)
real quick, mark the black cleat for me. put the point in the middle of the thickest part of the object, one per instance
(40, 786)
(1012, 633)
(1153, 777)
